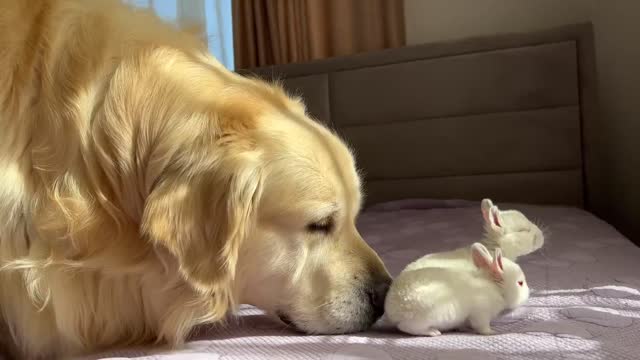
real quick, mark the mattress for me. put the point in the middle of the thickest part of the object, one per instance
(585, 301)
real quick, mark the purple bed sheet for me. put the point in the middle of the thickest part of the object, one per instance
(585, 302)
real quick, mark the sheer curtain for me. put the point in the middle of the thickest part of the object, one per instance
(213, 15)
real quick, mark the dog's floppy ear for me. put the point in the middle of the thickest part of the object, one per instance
(203, 217)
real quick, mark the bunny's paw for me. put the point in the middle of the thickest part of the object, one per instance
(432, 332)
(418, 329)
(485, 331)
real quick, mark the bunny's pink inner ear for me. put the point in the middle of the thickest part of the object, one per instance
(497, 274)
(498, 259)
(497, 269)
(485, 215)
(481, 257)
(480, 262)
(496, 220)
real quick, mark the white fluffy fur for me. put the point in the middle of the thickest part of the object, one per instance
(441, 291)
(432, 299)
(508, 230)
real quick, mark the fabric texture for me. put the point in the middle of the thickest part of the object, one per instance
(290, 31)
(585, 301)
(501, 116)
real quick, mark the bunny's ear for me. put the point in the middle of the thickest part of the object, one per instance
(497, 258)
(493, 219)
(497, 269)
(481, 257)
(485, 207)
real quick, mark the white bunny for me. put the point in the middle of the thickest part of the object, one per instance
(429, 300)
(508, 230)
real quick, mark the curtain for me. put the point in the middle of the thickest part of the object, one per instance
(268, 32)
(212, 16)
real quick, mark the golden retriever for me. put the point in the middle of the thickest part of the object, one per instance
(145, 189)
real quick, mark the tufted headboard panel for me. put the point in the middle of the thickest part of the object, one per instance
(507, 117)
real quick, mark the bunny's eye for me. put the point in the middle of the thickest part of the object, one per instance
(520, 282)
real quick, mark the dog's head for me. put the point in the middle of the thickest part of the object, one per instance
(307, 263)
(256, 202)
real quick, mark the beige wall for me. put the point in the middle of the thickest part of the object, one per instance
(617, 32)
(433, 20)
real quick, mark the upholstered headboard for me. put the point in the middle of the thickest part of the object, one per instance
(506, 116)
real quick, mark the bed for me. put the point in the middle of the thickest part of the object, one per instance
(435, 129)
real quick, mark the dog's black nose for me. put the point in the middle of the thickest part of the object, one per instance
(378, 295)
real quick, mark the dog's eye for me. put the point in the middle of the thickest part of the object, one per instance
(323, 226)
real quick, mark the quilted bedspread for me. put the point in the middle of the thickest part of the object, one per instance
(585, 301)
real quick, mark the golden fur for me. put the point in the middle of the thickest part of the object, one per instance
(145, 189)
